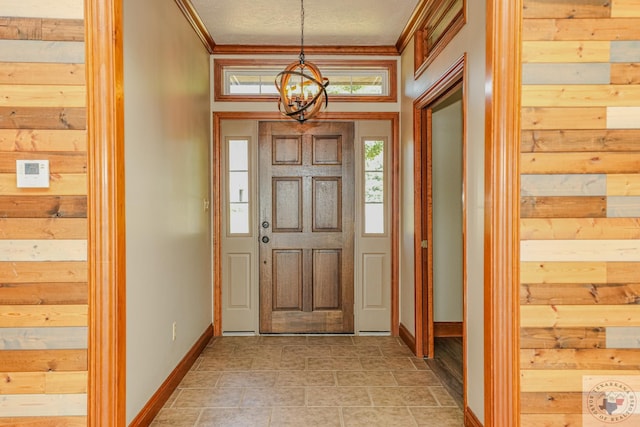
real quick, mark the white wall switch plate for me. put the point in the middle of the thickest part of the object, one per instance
(32, 173)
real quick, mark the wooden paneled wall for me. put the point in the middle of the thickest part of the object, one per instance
(580, 203)
(43, 232)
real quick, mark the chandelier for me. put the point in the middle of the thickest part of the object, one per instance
(301, 86)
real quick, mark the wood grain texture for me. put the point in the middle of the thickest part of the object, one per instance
(625, 73)
(579, 293)
(63, 29)
(43, 360)
(564, 272)
(59, 163)
(42, 118)
(543, 316)
(52, 29)
(623, 117)
(579, 228)
(622, 272)
(552, 403)
(16, 28)
(28, 316)
(61, 338)
(580, 140)
(43, 228)
(107, 382)
(43, 250)
(68, 184)
(35, 73)
(43, 272)
(623, 185)
(566, 74)
(56, 52)
(570, 358)
(43, 140)
(565, 51)
(580, 95)
(539, 338)
(52, 405)
(542, 118)
(625, 9)
(579, 163)
(551, 420)
(43, 383)
(43, 206)
(563, 380)
(580, 250)
(581, 29)
(563, 185)
(43, 422)
(623, 206)
(566, 9)
(43, 293)
(563, 207)
(625, 51)
(43, 95)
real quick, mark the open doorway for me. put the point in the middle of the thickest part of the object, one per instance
(446, 139)
(440, 228)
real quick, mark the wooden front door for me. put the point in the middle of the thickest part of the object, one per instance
(306, 227)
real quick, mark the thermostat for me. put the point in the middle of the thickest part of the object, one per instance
(32, 173)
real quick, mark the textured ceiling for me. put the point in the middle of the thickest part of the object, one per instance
(327, 22)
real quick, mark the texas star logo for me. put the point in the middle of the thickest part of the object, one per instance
(611, 401)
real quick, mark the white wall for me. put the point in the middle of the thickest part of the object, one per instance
(446, 131)
(470, 40)
(167, 139)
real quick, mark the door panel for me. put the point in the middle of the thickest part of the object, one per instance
(307, 211)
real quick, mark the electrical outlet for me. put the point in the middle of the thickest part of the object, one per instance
(173, 333)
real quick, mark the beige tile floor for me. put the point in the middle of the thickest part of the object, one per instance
(309, 381)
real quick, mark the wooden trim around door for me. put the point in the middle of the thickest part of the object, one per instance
(423, 300)
(394, 118)
(502, 197)
(448, 329)
(106, 218)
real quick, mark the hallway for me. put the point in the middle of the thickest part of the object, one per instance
(309, 381)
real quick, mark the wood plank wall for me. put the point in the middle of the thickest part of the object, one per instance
(580, 203)
(43, 232)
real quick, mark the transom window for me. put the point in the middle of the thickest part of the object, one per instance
(440, 22)
(349, 81)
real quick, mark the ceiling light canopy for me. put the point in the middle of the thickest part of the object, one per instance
(301, 85)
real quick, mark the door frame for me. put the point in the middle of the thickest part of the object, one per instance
(502, 213)
(393, 118)
(106, 400)
(104, 53)
(451, 79)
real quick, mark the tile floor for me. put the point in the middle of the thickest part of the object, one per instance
(309, 381)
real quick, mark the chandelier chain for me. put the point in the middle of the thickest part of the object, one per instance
(302, 30)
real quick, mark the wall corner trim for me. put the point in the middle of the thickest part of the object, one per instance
(470, 419)
(407, 337)
(160, 397)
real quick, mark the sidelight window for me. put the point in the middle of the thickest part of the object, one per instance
(374, 186)
(238, 185)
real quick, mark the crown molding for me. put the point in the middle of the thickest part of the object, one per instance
(412, 25)
(198, 26)
(294, 50)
